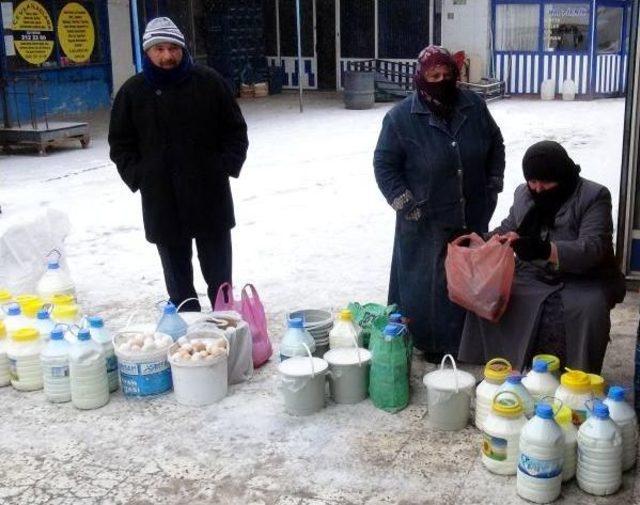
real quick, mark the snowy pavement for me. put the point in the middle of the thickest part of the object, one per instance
(313, 232)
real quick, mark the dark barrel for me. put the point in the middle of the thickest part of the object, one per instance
(359, 90)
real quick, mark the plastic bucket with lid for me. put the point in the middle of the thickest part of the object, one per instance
(449, 393)
(142, 373)
(199, 383)
(303, 381)
(349, 379)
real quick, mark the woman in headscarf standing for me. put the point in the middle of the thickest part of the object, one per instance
(439, 163)
(567, 280)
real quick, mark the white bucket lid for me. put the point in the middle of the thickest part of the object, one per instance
(347, 356)
(447, 379)
(299, 366)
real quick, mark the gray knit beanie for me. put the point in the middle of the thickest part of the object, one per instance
(162, 30)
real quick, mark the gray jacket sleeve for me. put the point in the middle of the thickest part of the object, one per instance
(595, 231)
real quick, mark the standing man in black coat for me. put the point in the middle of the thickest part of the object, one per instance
(177, 135)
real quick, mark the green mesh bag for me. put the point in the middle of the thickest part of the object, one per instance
(370, 316)
(389, 378)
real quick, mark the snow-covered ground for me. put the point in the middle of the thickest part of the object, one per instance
(313, 229)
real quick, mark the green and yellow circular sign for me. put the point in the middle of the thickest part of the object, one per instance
(32, 32)
(76, 33)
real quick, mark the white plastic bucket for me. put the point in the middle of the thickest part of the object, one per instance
(142, 374)
(349, 378)
(449, 395)
(303, 384)
(199, 383)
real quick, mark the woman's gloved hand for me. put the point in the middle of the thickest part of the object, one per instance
(406, 205)
(531, 248)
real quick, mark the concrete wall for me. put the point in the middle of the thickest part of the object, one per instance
(466, 26)
(122, 66)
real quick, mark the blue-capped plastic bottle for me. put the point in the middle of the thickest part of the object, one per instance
(389, 377)
(294, 338)
(625, 418)
(44, 324)
(171, 323)
(55, 281)
(88, 373)
(102, 336)
(398, 318)
(55, 368)
(514, 384)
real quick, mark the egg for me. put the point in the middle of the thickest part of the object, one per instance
(148, 340)
(135, 348)
(149, 346)
(199, 346)
(137, 340)
(221, 343)
(196, 357)
(124, 347)
(187, 347)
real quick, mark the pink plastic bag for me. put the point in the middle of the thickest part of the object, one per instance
(252, 311)
(253, 314)
(479, 277)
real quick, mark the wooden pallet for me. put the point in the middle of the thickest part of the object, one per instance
(45, 135)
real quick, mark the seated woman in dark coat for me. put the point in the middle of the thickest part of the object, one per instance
(566, 281)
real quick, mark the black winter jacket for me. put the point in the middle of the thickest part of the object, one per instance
(179, 145)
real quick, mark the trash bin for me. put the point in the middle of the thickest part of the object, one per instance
(359, 90)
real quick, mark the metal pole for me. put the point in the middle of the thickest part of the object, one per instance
(136, 35)
(300, 69)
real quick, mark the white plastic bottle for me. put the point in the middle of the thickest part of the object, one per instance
(55, 368)
(625, 418)
(514, 384)
(55, 281)
(501, 434)
(292, 342)
(88, 373)
(496, 372)
(574, 392)
(345, 332)
(539, 476)
(15, 320)
(44, 324)
(5, 375)
(103, 337)
(563, 418)
(599, 469)
(540, 382)
(24, 359)
(553, 363)
(5, 299)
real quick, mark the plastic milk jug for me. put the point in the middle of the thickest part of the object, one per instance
(30, 305)
(171, 323)
(15, 320)
(55, 281)
(24, 359)
(553, 363)
(539, 476)
(540, 382)
(44, 324)
(563, 418)
(5, 376)
(345, 333)
(103, 337)
(88, 372)
(597, 386)
(55, 368)
(5, 299)
(496, 372)
(599, 469)
(501, 434)
(514, 384)
(574, 392)
(294, 340)
(624, 416)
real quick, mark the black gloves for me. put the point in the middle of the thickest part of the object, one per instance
(532, 248)
(406, 205)
(459, 232)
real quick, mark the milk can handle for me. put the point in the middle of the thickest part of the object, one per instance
(500, 393)
(187, 300)
(313, 372)
(130, 319)
(56, 251)
(553, 401)
(455, 368)
(355, 341)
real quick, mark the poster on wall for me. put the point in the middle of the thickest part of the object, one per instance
(76, 34)
(33, 35)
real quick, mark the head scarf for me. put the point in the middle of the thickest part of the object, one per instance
(441, 96)
(548, 161)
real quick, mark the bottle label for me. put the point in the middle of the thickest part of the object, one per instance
(59, 372)
(13, 369)
(540, 468)
(112, 363)
(494, 447)
(578, 416)
(144, 379)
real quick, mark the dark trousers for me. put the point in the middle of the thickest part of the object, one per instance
(214, 255)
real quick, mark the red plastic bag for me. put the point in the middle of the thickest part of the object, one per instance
(479, 277)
